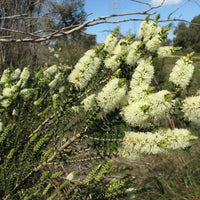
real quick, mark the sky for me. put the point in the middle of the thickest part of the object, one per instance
(97, 8)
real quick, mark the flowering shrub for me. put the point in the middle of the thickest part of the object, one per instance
(135, 99)
(51, 116)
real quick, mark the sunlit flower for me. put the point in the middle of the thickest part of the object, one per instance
(165, 51)
(182, 72)
(5, 76)
(135, 115)
(138, 93)
(145, 108)
(24, 76)
(61, 89)
(110, 43)
(1, 126)
(154, 43)
(5, 103)
(133, 56)
(121, 47)
(143, 73)
(89, 102)
(85, 69)
(8, 92)
(149, 30)
(161, 141)
(112, 62)
(55, 81)
(112, 94)
(27, 93)
(158, 105)
(50, 71)
(15, 75)
(191, 108)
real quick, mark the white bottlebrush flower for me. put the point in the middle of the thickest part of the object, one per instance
(55, 100)
(138, 143)
(191, 108)
(26, 93)
(149, 30)
(1, 126)
(15, 75)
(145, 108)
(89, 102)
(24, 76)
(15, 112)
(8, 92)
(84, 70)
(135, 115)
(5, 103)
(165, 51)
(158, 105)
(112, 62)
(121, 47)
(5, 76)
(138, 93)
(110, 43)
(143, 74)
(50, 71)
(55, 81)
(176, 138)
(111, 95)
(161, 141)
(133, 56)
(61, 89)
(182, 72)
(154, 43)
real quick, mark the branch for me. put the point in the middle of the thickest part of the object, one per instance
(36, 169)
(177, 9)
(37, 38)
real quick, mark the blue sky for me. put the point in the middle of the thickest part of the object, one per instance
(97, 8)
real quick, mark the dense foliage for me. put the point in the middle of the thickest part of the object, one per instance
(56, 120)
(188, 37)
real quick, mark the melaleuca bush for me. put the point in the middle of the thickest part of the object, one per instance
(141, 104)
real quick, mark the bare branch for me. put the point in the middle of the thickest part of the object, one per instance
(177, 9)
(41, 36)
(141, 2)
(14, 16)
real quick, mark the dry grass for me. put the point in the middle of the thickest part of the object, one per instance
(169, 177)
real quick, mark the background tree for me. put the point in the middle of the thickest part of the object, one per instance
(69, 13)
(22, 19)
(188, 37)
(21, 16)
